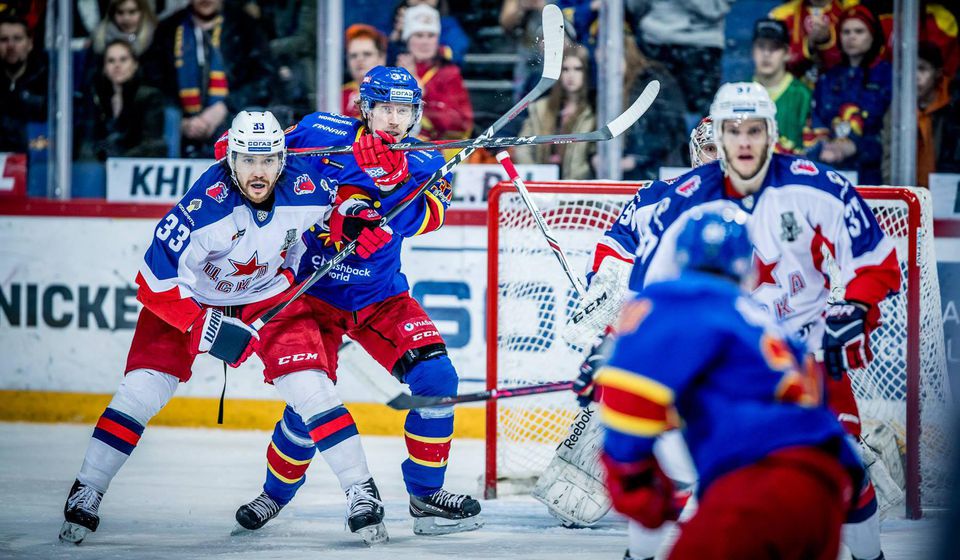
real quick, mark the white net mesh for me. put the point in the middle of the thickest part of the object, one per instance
(534, 298)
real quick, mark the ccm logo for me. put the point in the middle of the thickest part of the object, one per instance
(297, 358)
(424, 334)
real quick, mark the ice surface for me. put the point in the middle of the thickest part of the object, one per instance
(177, 495)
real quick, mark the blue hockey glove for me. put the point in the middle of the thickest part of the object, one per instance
(226, 338)
(846, 340)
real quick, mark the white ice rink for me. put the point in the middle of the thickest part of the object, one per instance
(177, 495)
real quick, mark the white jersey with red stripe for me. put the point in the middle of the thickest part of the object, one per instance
(216, 248)
(801, 212)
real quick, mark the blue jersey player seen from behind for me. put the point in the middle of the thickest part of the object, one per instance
(366, 298)
(777, 471)
(219, 259)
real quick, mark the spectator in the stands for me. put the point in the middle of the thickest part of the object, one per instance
(567, 109)
(814, 35)
(132, 20)
(792, 97)
(210, 63)
(291, 28)
(127, 117)
(851, 99)
(447, 112)
(454, 42)
(687, 38)
(23, 84)
(938, 25)
(938, 120)
(658, 139)
(365, 48)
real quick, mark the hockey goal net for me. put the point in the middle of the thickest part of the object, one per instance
(529, 299)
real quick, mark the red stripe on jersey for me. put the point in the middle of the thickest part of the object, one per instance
(435, 213)
(603, 251)
(168, 305)
(124, 433)
(816, 251)
(634, 405)
(872, 283)
(333, 426)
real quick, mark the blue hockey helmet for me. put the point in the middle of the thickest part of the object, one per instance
(390, 84)
(717, 243)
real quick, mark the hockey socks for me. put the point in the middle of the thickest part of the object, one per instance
(428, 448)
(335, 435)
(288, 456)
(861, 532)
(114, 438)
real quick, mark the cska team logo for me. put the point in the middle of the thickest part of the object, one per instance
(803, 167)
(217, 191)
(303, 185)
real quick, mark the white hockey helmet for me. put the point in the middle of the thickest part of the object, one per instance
(255, 133)
(701, 136)
(740, 101)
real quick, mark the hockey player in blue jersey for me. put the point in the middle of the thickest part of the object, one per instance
(776, 469)
(223, 256)
(807, 223)
(366, 298)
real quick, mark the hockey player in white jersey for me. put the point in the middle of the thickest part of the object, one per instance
(805, 219)
(220, 258)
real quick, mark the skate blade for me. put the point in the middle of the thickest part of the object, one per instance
(73, 533)
(239, 529)
(442, 526)
(373, 535)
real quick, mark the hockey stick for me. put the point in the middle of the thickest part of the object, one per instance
(406, 401)
(504, 159)
(552, 63)
(614, 128)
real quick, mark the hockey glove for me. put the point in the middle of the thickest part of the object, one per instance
(355, 219)
(845, 339)
(386, 167)
(641, 491)
(585, 385)
(226, 338)
(600, 305)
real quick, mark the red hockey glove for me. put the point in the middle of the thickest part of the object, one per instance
(641, 491)
(584, 385)
(387, 168)
(226, 338)
(846, 339)
(355, 219)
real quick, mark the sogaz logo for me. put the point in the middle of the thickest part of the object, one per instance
(401, 95)
(259, 145)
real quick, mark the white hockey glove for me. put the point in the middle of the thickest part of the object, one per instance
(600, 306)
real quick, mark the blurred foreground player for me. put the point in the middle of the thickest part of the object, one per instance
(219, 259)
(367, 299)
(777, 471)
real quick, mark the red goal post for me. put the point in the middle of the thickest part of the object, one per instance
(529, 297)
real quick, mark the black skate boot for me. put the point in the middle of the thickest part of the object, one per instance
(254, 515)
(441, 513)
(80, 513)
(365, 513)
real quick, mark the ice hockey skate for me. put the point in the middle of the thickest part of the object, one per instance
(255, 514)
(442, 513)
(80, 513)
(365, 513)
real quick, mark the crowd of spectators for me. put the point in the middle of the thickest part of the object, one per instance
(155, 66)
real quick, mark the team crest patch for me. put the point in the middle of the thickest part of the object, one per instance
(688, 187)
(217, 191)
(262, 215)
(194, 205)
(803, 167)
(443, 190)
(789, 228)
(289, 239)
(303, 185)
(836, 178)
